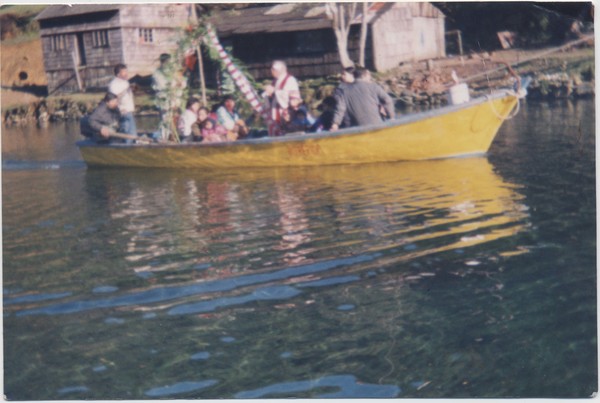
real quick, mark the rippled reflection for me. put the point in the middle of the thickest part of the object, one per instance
(231, 231)
(421, 279)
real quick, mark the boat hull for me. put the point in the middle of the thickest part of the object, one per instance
(448, 132)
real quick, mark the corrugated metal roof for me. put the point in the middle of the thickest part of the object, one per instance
(60, 11)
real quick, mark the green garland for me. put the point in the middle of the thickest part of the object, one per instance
(176, 93)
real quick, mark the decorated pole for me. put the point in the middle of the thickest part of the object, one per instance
(200, 61)
(240, 80)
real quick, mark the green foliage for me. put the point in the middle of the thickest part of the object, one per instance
(22, 10)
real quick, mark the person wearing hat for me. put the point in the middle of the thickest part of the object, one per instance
(279, 92)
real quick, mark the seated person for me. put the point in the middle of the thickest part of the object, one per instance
(197, 125)
(188, 118)
(228, 117)
(212, 132)
(296, 118)
(103, 121)
(325, 120)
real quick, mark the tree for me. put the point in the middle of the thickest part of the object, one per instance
(342, 15)
(363, 33)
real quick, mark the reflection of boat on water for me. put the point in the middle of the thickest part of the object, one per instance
(439, 205)
(451, 131)
(286, 229)
(304, 213)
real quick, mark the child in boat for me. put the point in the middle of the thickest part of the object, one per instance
(325, 120)
(212, 132)
(296, 118)
(197, 126)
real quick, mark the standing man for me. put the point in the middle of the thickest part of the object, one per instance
(361, 100)
(346, 78)
(160, 82)
(278, 94)
(121, 88)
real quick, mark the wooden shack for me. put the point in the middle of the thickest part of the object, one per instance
(82, 43)
(301, 34)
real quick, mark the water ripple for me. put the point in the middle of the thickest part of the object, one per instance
(168, 293)
(178, 388)
(348, 386)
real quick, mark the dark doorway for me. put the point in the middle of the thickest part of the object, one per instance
(81, 49)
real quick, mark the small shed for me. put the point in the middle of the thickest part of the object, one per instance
(82, 43)
(302, 35)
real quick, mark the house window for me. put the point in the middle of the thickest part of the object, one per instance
(146, 35)
(58, 42)
(100, 39)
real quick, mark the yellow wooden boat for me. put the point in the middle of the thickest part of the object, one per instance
(451, 131)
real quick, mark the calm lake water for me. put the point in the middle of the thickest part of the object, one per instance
(458, 278)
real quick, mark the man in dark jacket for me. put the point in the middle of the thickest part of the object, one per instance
(361, 100)
(103, 121)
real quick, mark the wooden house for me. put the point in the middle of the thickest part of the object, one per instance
(301, 34)
(82, 43)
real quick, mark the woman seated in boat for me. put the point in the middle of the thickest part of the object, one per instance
(103, 121)
(188, 118)
(197, 126)
(228, 117)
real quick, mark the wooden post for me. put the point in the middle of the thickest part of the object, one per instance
(76, 68)
(200, 62)
(201, 71)
(460, 48)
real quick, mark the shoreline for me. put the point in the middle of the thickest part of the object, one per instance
(564, 75)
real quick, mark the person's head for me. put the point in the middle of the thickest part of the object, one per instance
(164, 58)
(111, 100)
(360, 73)
(348, 75)
(229, 102)
(328, 103)
(193, 104)
(202, 113)
(208, 124)
(300, 115)
(278, 69)
(121, 71)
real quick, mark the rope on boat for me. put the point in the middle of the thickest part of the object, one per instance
(509, 116)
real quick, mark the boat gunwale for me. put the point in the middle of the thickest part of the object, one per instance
(301, 136)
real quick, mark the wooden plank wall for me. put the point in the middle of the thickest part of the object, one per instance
(164, 20)
(125, 46)
(398, 36)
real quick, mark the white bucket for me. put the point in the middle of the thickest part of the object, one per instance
(458, 94)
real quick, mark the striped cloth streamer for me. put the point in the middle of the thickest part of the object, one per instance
(242, 82)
